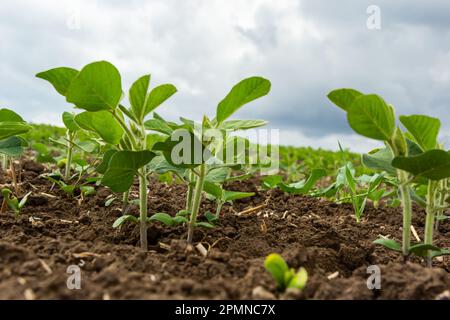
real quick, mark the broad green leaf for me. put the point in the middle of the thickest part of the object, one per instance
(69, 121)
(9, 129)
(162, 217)
(277, 267)
(423, 128)
(7, 115)
(213, 189)
(299, 280)
(218, 175)
(371, 117)
(103, 166)
(244, 92)
(344, 97)
(270, 182)
(122, 168)
(96, 87)
(379, 160)
(160, 165)
(179, 220)
(138, 96)
(432, 164)
(103, 123)
(422, 249)
(183, 149)
(389, 243)
(303, 187)
(158, 95)
(11, 146)
(235, 195)
(158, 126)
(120, 221)
(242, 124)
(60, 78)
(440, 252)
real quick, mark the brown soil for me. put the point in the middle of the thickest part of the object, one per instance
(323, 237)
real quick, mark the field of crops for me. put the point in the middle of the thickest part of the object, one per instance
(124, 204)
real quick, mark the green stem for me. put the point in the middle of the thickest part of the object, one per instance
(196, 203)
(126, 129)
(429, 220)
(441, 202)
(4, 162)
(219, 208)
(407, 211)
(143, 207)
(189, 191)
(70, 137)
(125, 197)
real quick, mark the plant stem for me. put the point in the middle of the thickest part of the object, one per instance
(196, 203)
(407, 211)
(189, 191)
(429, 220)
(70, 138)
(126, 129)
(441, 202)
(125, 197)
(143, 207)
(219, 208)
(4, 162)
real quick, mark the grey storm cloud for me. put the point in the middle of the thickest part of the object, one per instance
(306, 49)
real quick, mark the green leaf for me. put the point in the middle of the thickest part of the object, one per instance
(96, 87)
(103, 123)
(211, 217)
(371, 117)
(350, 179)
(432, 164)
(138, 96)
(299, 280)
(218, 175)
(389, 243)
(160, 165)
(379, 160)
(87, 190)
(179, 220)
(421, 249)
(205, 225)
(60, 78)
(103, 166)
(69, 121)
(7, 115)
(158, 95)
(270, 182)
(158, 126)
(423, 128)
(120, 221)
(344, 97)
(235, 195)
(213, 189)
(11, 146)
(277, 267)
(163, 218)
(244, 92)
(122, 168)
(303, 187)
(8, 129)
(242, 124)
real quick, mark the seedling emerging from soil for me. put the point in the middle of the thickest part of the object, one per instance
(284, 276)
(97, 89)
(198, 157)
(369, 115)
(13, 202)
(433, 166)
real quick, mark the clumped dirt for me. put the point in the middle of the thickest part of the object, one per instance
(55, 232)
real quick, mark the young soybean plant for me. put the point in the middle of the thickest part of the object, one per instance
(369, 115)
(431, 165)
(97, 89)
(284, 276)
(198, 158)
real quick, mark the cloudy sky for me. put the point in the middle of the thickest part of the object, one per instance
(203, 47)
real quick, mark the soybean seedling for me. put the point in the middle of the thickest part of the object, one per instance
(11, 201)
(369, 115)
(193, 147)
(97, 89)
(284, 276)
